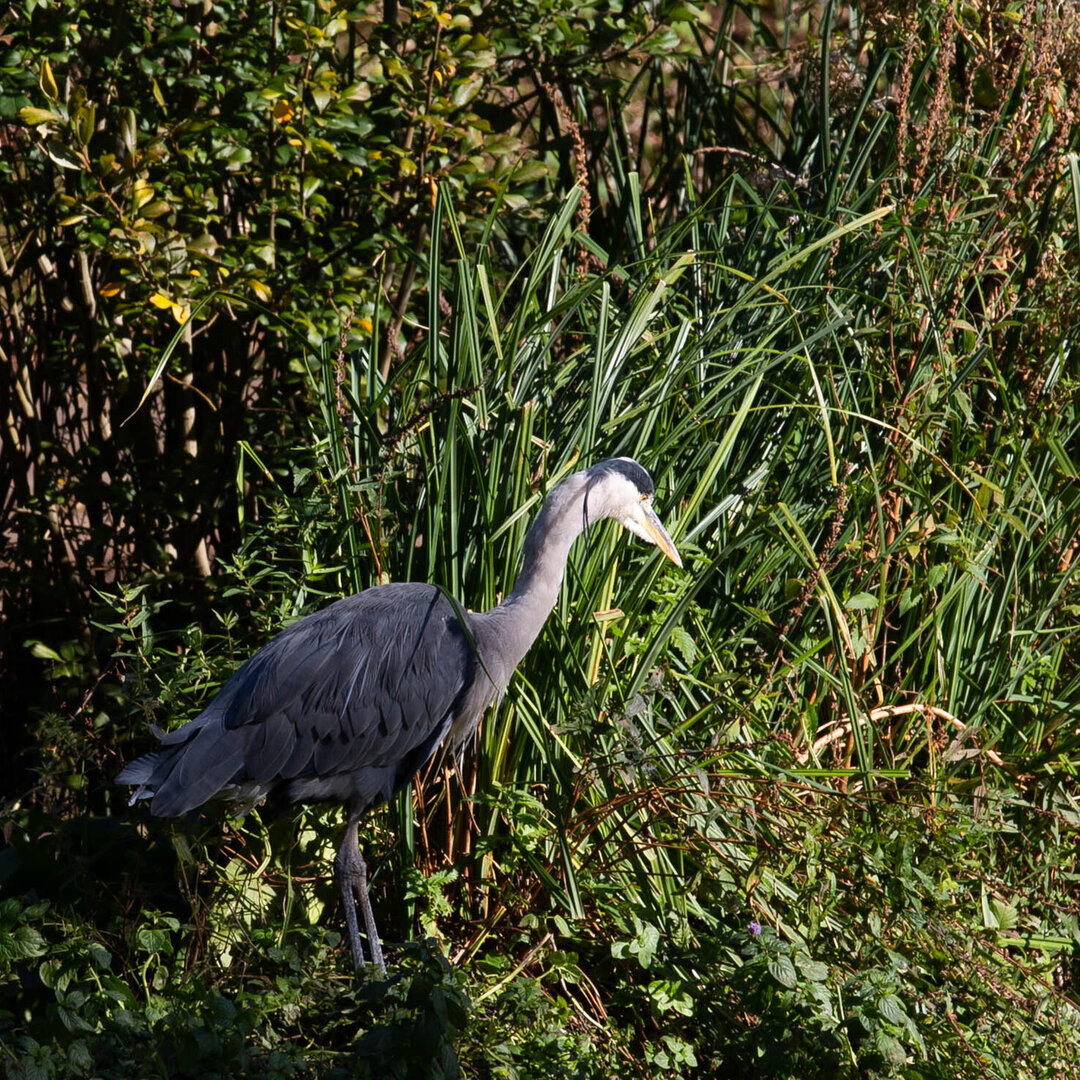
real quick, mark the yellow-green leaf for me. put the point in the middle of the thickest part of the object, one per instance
(128, 129)
(205, 244)
(359, 91)
(260, 290)
(47, 82)
(143, 193)
(33, 116)
(85, 120)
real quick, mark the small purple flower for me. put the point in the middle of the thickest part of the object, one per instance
(754, 928)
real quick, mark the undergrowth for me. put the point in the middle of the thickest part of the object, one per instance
(807, 808)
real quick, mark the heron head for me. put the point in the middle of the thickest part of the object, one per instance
(620, 488)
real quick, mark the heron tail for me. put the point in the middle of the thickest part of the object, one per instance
(139, 774)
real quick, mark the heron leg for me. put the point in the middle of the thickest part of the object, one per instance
(352, 881)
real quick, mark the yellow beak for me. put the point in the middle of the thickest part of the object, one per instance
(658, 534)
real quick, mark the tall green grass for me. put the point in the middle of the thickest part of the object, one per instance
(876, 504)
(877, 586)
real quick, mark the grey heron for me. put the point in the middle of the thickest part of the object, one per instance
(349, 703)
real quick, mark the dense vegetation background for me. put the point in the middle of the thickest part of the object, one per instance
(300, 297)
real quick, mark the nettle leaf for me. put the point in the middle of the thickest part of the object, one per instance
(1006, 915)
(783, 971)
(669, 996)
(892, 1008)
(814, 970)
(642, 946)
(21, 943)
(684, 643)
(936, 575)
(890, 1048)
(997, 914)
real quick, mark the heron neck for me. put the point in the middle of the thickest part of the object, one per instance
(519, 619)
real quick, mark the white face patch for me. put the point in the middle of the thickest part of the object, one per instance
(636, 517)
(615, 495)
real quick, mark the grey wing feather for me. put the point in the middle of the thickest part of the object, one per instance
(346, 704)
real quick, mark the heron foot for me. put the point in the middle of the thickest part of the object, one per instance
(351, 873)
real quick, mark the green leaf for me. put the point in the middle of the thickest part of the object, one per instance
(813, 970)
(1005, 915)
(44, 652)
(47, 82)
(22, 943)
(783, 971)
(862, 601)
(684, 643)
(128, 129)
(61, 155)
(892, 1008)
